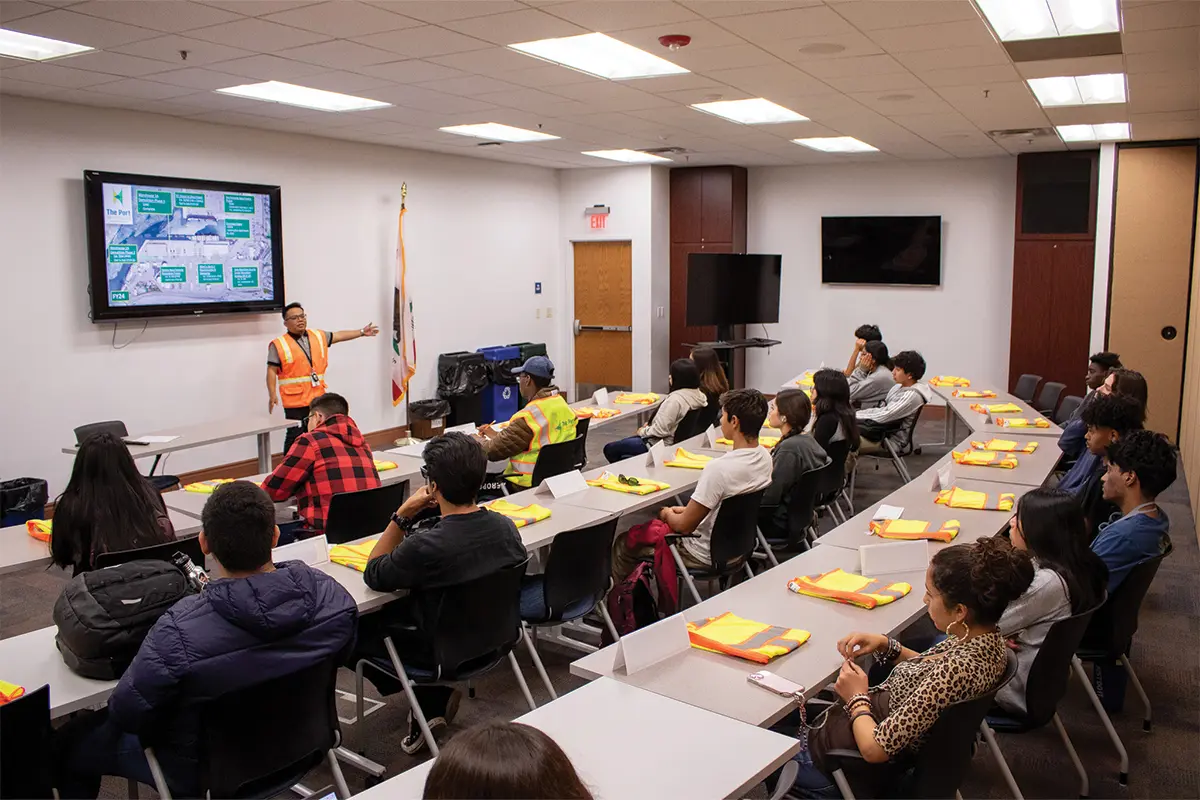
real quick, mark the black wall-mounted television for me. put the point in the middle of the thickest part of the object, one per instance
(882, 250)
(174, 247)
(732, 289)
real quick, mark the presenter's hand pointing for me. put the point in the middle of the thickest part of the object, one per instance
(370, 329)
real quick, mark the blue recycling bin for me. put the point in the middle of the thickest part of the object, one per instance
(501, 395)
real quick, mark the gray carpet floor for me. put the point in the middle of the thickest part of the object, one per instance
(1163, 763)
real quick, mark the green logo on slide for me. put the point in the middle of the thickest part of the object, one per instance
(245, 277)
(237, 229)
(239, 204)
(119, 196)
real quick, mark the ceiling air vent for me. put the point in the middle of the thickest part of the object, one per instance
(664, 151)
(1015, 135)
(489, 144)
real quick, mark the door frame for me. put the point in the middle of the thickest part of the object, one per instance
(566, 379)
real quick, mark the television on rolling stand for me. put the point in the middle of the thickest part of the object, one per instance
(727, 289)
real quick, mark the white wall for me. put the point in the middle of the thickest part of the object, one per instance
(961, 327)
(660, 278)
(476, 235)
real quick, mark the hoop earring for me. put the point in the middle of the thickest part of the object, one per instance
(950, 631)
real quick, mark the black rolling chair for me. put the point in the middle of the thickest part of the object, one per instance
(366, 512)
(474, 625)
(260, 740)
(1067, 408)
(1108, 640)
(1044, 689)
(155, 552)
(1027, 386)
(833, 480)
(801, 515)
(26, 759)
(577, 577)
(938, 769)
(734, 536)
(897, 453)
(581, 432)
(693, 423)
(712, 413)
(1047, 401)
(117, 428)
(555, 459)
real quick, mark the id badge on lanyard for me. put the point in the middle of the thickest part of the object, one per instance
(315, 380)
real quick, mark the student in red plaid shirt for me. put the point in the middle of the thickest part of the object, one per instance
(332, 457)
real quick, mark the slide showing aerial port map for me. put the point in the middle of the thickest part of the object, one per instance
(166, 246)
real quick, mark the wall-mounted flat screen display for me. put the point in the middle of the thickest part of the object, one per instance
(882, 250)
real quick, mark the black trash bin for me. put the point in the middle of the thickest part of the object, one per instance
(462, 377)
(23, 499)
(528, 351)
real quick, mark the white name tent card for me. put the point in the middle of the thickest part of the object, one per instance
(656, 455)
(888, 512)
(712, 434)
(648, 646)
(884, 559)
(312, 551)
(469, 429)
(943, 479)
(414, 449)
(148, 440)
(600, 397)
(565, 484)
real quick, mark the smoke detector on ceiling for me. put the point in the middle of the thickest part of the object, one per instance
(674, 41)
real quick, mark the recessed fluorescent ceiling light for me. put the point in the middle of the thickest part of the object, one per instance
(498, 133)
(600, 55)
(1045, 19)
(756, 111)
(36, 48)
(1106, 132)
(291, 95)
(837, 144)
(1081, 90)
(628, 156)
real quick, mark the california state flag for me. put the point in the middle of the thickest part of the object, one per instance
(404, 332)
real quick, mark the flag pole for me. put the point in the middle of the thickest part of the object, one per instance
(407, 394)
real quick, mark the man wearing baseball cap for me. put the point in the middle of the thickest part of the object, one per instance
(546, 419)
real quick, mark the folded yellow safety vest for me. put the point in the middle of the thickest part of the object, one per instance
(845, 587)
(764, 441)
(1020, 422)
(687, 460)
(39, 528)
(353, 556)
(985, 458)
(914, 529)
(520, 515)
(964, 394)
(996, 408)
(948, 381)
(206, 487)
(607, 480)
(805, 380)
(979, 501)
(10, 692)
(596, 412)
(744, 638)
(384, 466)
(1005, 446)
(632, 398)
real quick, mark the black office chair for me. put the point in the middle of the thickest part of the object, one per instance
(190, 546)
(262, 739)
(691, 424)
(1067, 408)
(474, 625)
(833, 480)
(712, 413)
(938, 768)
(366, 512)
(1045, 687)
(907, 427)
(1047, 401)
(26, 759)
(117, 428)
(1027, 386)
(1108, 640)
(578, 575)
(735, 534)
(555, 459)
(801, 515)
(581, 431)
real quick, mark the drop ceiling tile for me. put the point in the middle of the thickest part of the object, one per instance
(843, 67)
(167, 48)
(258, 35)
(740, 55)
(411, 71)
(9, 63)
(29, 88)
(425, 100)
(1159, 62)
(715, 9)
(195, 78)
(116, 64)
(954, 57)
(1053, 68)
(258, 8)
(1140, 17)
(1157, 131)
(707, 94)
(13, 10)
(820, 48)
(968, 33)
(673, 83)
(470, 86)
(873, 15)
(935, 125)
(606, 17)
(1183, 40)
(212, 101)
(343, 19)
(1158, 80)
(906, 101)
(516, 26)
(769, 81)
(346, 82)
(706, 36)
(1178, 96)
(549, 75)
(491, 61)
(981, 77)
(438, 11)
(1088, 115)
(775, 25)
(55, 75)
(338, 54)
(269, 68)
(423, 42)
(147, 90)
(81, 29)
(876, 83)
(165, 17)
(610, 96)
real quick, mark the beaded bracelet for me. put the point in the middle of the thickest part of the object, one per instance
(890, 654)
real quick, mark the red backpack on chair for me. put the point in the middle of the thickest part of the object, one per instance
(633, 603)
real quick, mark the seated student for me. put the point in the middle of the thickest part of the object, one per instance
(333, 457)
(1140, 466)
(1128, 382)
(685, 396)
(795, 454)
(1068, 579)
(108, 506)
(712, 376)
(546, 419)
(503, 759)
(872, 378)
(747, 468)
(259, 622)
(466, 543)
(862, 335)
(1104, 420)
(1100, 365)
(967, 589)
(834, 416)
(903, 402)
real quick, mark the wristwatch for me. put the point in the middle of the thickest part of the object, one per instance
(403, 523)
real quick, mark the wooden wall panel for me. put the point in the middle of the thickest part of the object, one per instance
(1189, 428)
(686, 196)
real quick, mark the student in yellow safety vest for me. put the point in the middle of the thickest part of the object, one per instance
(296, 363)
(546, 419)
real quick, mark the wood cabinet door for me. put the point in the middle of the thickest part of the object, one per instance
(686, 200)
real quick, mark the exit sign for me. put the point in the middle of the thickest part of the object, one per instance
(598, 221)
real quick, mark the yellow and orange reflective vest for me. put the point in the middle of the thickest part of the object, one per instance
(985, 458)
(296, 386)
(520, 515)
(844, 587)
(744, 638)
(979, 501)
(914, 529)
(552, 421)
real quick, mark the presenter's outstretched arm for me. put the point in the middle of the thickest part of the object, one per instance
(370, 329)
(272, 387)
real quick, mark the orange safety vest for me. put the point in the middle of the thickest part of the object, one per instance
(913, 529)
(844, 587)
(552, 421)
(296, 387)
(744, 638)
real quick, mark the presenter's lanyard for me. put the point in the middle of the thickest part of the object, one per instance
(312, 372)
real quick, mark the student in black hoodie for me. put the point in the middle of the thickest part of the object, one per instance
(795, 454)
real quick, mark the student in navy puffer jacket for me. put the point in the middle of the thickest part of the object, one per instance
(261, 622)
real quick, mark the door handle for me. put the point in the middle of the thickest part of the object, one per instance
(617, 328)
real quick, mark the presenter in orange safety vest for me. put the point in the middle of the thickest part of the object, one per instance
(296, 365)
